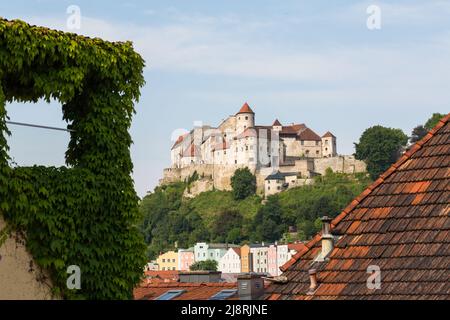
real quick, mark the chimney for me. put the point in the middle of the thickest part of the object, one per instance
(327, 239)
(250, 286)
(313, 281)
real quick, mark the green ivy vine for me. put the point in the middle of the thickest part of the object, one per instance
(85, 214)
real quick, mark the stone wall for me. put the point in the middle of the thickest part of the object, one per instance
(345, 164)
(220, 175)
(20, 277)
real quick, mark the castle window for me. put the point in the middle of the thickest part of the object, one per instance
(246, 117)
(317, 143)
(326, 142)
(302, 142)
(317, 151)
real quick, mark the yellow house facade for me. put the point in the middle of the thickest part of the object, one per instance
(168, 261)
(246, 258)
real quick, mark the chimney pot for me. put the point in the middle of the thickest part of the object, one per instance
(325, 224)
(327, 239)
(313, 280)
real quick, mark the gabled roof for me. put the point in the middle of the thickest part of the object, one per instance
(237, 250)
(245, 109)
(400, 224)
(191, 151)
(328, 135)
(179, 140)
(308, 135)
(276, 123)
(280, 175)
(293, 129)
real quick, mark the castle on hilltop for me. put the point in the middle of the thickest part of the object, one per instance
(281, 156)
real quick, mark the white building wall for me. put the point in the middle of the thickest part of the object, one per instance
(230, 262)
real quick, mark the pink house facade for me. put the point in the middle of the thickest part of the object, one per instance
(272, 266)
(185, 259)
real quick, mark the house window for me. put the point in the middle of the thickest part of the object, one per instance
(302, 142)
(169, 295)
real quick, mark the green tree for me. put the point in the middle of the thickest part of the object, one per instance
(226, 221)
(268, 224)
(243, 183)
(380, 147)
(433, 121)
(207, 265)
(418, 133)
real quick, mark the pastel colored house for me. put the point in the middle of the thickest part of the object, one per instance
(185, 259)
(168, 261)
(212, 251)
(272, 266)
(231, 261)
(246, 259)
(260, 257)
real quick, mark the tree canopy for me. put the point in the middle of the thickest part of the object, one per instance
(380, 147)
(207, 265)
(433, 121)
(243, 183)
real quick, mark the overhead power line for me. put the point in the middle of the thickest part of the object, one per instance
(38, 126)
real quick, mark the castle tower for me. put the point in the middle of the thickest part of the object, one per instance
(245, 118)
(329, 145)
(277, 126)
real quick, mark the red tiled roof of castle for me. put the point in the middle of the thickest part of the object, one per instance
(180, 139)
(328, 135)
(308, 135)
(276, 123)
(221, 146)
(293, 129)
(400, 223)
(191, 151)
(245, 109)
(193, 291)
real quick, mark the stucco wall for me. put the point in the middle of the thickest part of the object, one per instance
(17, 280)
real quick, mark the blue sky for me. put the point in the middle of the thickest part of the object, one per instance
(312, 62)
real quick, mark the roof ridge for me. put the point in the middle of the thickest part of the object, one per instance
(417, 146)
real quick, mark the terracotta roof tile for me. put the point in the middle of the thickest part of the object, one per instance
(193, 291)
(245, 109)
(399, 223)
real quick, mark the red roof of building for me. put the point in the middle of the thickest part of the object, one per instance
(237, 250)
(191, 151)
(245, 109)
(328, 135)
(293, 129)
(400, 224)
(308, 135)
(193, 291)
(276, 123)
(221, 146)
(180, 139)
(152, 277)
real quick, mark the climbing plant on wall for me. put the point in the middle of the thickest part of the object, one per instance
(84, 214)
